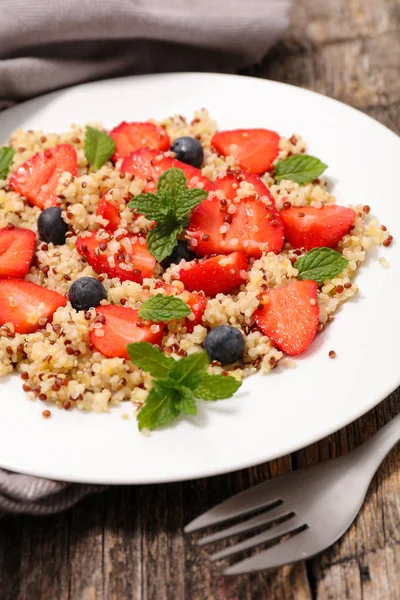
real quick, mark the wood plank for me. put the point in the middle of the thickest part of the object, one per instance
(86, 548)
(359, 72)
(322, 23)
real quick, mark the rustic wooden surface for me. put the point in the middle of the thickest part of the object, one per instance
(127, 543)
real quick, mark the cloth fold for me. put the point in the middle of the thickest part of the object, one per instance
(25, 494)
(49, 45)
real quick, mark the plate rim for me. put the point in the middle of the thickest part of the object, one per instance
(131, 479)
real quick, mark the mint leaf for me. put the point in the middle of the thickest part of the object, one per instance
(150, 359)
(6, 158)
(150, 206)
(217, 387)
(158, 409)
(320, 264)
(161, 240)
(170, 207)
(163, 308)
(189, 200)
(300, 168)
(191, 370)
(99, 147)
(176, 384)
(172, 183)
(182, 397)
(165, 402)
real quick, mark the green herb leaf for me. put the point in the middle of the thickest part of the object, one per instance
(217, 387)
(147, 357)
(6, 158)
(161, 240)
(183, 398)
(188, 201)
(158, 410)
(176, 384)
(99, 147)
(150, 206)
(320, 264)
(173, 184)
(300, 168)
(170, 207)
(191, 370)
(163, 308)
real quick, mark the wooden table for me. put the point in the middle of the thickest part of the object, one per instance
(127, 543)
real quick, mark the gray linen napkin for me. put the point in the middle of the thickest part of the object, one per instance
(53, 44)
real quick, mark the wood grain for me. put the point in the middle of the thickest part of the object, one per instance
(127, 543)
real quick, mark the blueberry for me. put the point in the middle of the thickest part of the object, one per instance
(180, 252)
(51, 226)
(225, 344)
(188, 150)
(86, 293)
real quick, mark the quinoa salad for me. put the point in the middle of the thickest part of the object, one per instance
(183, 241)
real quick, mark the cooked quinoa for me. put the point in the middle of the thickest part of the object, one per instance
(58, 364)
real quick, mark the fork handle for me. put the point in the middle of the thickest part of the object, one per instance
(378, 446)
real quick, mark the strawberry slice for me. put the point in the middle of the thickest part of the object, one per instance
(308, 227)
(148, 165)
(26, 305)
(196, 302)
(254, 149)
(38, 177)
(17, 247)
(109, 209)
(129, 137)
(253, 228)
(121, 327)
(216, 275)
(231, 183)
(290, 316)
(127, 258)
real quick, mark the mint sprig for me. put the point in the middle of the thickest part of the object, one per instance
(170, 207)
(320, 264)
(163, 308)
(147, 357)
(6, 158)
(99, 147)
(176, 384)
(300, 168)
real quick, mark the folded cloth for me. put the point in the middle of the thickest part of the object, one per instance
(48, 45)
(34, 495)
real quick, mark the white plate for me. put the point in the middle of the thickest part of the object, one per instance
(271, 415)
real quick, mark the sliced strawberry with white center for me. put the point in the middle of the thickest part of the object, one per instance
(108, 209)
(148, 165)
(125, 257)
(219, 274)
(254, 149)
(38, 177)
(120, 326)
(129, 137)
(233, 184)
(254, 227)
(17, 247)
(290, 316)
(26, 305)
(308, 227)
